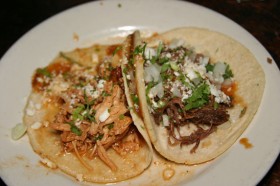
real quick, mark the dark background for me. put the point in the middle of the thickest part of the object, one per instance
(260, 17)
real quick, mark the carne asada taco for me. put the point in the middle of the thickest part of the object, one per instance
(198, 90)
(78, 119)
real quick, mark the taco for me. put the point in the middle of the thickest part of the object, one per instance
(78, 119)
(198, 90)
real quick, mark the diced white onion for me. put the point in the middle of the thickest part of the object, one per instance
(149, 53)
(105, 115)
(204, 61)
(36, 125)
(157, 90)
(18, 131)
(219, 69)
(152, 73)
(101, 83)
(176, 92)
(191, 73)
(165, 120)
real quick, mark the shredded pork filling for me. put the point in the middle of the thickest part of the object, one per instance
(93, 114)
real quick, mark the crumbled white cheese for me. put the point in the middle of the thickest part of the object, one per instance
(220, 97)
(101, 83)
(49, 163)
(30, 112)
(149, 53)
(88, 89)
(40, 80)
(105, 115)
(78, 123)
(165, 120)
(191, 73)
(38, 106)
(204, 61)
(95, 94)
(36, 125)
(58, 84)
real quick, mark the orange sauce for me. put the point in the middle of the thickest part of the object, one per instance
(113, 48)
(59, 67)
(168, 173)
(245, 142)
(231, 92)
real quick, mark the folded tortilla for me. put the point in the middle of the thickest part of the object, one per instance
(44, 104)
(248, 75)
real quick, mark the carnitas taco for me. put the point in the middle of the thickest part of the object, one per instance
(198, 90)
(78, 119)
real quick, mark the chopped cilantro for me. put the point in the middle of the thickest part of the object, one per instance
(98, 137)
(199, 97)
(228, 73)
(121, 116)
(157, 57)
(44, 72)
(159, 49)
(174, 66)
(77, 113)
(104, 93)
(125, 70)
(140, 49)
(116, 50)
(209, 67)
(110, 126)
(182, 78)
(134, 98)
(66, 75)
(216, 105)
(74, 128)
(163, 60)
(149, 86)
(165, 67)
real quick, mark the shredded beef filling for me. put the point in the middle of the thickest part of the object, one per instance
(207, 116)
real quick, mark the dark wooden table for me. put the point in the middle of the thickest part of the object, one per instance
(260, 17)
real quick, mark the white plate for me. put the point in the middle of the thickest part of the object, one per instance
(238, 166)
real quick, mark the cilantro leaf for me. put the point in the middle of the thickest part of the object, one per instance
(134, 98)
(77, 113)
(98, 137)
(228, 73)
(110, 126)
(116, 50)
(199, 97)
(209, 67)
(44, 72)
(74, 128)
(165, 67)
